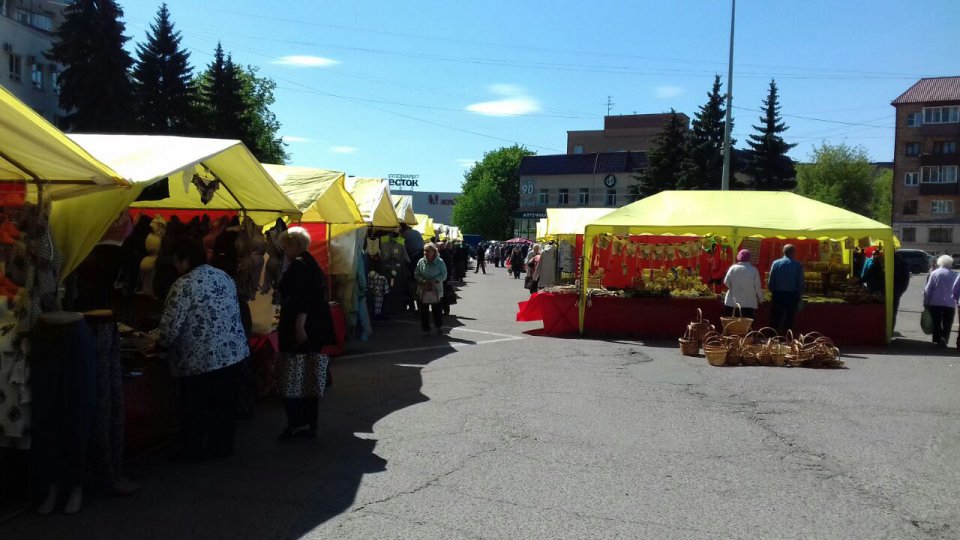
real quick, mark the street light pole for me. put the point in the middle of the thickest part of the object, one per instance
(725, 184)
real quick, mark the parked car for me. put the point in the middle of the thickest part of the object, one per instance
(918, 260)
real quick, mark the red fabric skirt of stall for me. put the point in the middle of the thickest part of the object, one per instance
(665, 318)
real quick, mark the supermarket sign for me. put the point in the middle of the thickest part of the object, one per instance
(404, 180)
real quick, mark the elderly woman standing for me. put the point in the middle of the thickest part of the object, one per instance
(306, 326)
(430, 274)
(202, 331)
(938, 297)
(743, 286)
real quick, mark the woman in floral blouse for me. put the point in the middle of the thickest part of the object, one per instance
(202, 331)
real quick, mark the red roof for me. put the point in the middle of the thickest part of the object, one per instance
(933, 90)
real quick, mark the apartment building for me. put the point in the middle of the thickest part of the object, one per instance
(26, 32)
(926, 193)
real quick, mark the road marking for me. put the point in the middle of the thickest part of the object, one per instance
(453, 344)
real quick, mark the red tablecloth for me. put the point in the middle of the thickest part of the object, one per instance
(664, 318)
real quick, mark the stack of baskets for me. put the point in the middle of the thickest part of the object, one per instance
(692, 339)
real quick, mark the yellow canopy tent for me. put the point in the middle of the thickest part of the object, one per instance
(738, 215)
(372, 196)
(571, 221)
(145, 160)
(425, 226)
(35, 153)
(403, 204)
(542, 231)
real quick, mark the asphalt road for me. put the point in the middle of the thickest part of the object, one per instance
(494, 433)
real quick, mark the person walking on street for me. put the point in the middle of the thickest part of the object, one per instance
(430, 274)
(481, 261)
(516, 263)
(786, 286)
(940, 297)
(743, 286)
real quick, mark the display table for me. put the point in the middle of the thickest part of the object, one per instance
(666, 318)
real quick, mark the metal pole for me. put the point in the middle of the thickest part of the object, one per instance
(725, 184)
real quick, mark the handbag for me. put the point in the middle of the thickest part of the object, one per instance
(926, 321)
(527, 282)
(429, 297)
(302, 375)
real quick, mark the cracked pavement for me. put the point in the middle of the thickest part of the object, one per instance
(565, 438)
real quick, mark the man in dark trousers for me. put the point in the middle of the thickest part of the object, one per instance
(786, 284)
(481, 260)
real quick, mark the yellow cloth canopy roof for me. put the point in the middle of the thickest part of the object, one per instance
(571, 221)
(320, 194)
(33, 149)
(372, 196)
(403, 204)
(425, 226)
(145, 160)
(737, 215)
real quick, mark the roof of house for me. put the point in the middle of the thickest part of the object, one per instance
(594, 163)
(931, 90)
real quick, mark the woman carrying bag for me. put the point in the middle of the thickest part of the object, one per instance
(306, 326)
(430, 274)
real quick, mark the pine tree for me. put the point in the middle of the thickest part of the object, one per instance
(664, 160)
(703, 166)
(163, 91)
(95, 86)
(235, 104)
(769, 167)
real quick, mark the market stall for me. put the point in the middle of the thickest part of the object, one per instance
(424, 226)
(332, 217)
(40, 170)
(403, 204)
(565, 227)
(649, 265)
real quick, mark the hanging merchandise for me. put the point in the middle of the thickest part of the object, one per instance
(207, 188)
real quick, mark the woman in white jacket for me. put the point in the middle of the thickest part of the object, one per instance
(743, 285)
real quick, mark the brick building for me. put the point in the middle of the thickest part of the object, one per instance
(926, 194)
(621, 133)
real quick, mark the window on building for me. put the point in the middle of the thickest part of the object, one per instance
(578, 149)
(909, 234)
(543, 197)
(36, 75)
(41, 21)
(945, 147)
(611, 197)
(941, 207)
(941, 235)
(948, 174)
(941, 115)
(910, 208)
(22, 16)
(938, 175)
(911, 178)
(583, 196)
(16, 67)
(913, 149)
(914, 119)
(563, 196)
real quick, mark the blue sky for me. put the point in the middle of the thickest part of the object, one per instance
(427, 87)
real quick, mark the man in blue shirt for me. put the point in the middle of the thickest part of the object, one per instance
(785, 283)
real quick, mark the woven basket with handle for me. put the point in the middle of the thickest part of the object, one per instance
(738, 325)
(715, 350)
(688, 345)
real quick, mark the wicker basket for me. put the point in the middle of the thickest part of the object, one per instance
(825, 352)
(699, 328)
(715, 350)
(777, 349)
(733, 354)
(688, 345)
(751, 348)
(738, 325)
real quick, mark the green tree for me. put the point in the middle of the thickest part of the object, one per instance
(235, 104)
(770, 169)
(491, 193)
(664, 160)
(703, 165)
(163, 87)
(882, 207)
(95, 86)
(840, 175)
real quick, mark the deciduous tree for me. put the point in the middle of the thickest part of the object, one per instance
(840, 175)
(491, 193)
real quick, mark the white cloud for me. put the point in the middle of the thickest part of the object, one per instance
(666, 91)
(306, 61)
(515, 102)
(466, 163)
(294, 139)
(343, 150)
